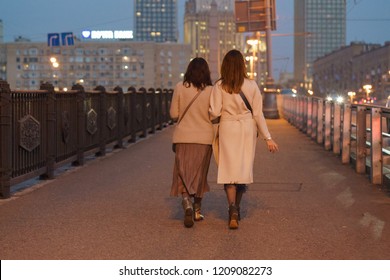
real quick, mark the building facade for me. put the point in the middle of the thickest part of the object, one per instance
(105, 63)
(156, 20)
(352, 67)
(319, 28)
(211, 31)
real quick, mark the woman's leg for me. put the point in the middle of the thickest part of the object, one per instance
(241, 188)
(231, 191)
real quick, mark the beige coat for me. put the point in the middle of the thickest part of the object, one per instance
(238, 131)
(195, 126)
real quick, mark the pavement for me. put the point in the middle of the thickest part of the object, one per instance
(304, 204)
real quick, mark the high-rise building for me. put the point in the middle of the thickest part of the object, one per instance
(1, 32)
(156, 20)
(320, 28)
(3, 61)
(210, 29)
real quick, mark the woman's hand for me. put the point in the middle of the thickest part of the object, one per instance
(272, 146)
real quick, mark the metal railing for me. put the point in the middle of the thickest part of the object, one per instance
(42, 130)
(358, 133)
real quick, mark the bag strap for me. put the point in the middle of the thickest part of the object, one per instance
(246, 101)
(188, 106)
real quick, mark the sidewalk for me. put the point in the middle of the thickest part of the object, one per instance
(304, 204)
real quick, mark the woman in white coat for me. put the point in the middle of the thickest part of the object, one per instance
(238, 129)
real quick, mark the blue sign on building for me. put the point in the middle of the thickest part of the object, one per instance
(67, 39)
(53, 39)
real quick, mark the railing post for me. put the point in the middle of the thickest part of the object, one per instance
(328, 119)
(133, 112)
(376, 171)
(361, 138)
(314, 119)
(320, 122)
(51, 130)
(103, 120)
(152, 109)
(346, 150)
(144, 123)
(309, 116)
(168, 105)
(299, 123)
(81, 123)
(159, 108)
(121, 117)
(337, 128)
(6, 138)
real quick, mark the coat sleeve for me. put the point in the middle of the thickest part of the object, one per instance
(215, 103)
(174, 109)
(258, 113)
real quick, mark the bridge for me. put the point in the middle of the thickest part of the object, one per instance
(305, 203)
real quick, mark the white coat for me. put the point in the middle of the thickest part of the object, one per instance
(238, 131)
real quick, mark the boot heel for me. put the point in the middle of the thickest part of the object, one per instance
(233, 217)
(188, 212)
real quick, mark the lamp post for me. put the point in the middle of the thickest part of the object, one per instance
(270, 109)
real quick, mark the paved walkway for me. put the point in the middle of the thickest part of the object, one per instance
(304, 204)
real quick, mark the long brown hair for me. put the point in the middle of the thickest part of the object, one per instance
(197, 74)
(233, 71)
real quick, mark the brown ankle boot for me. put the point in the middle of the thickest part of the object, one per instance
(233, 217)
(188, 212)
(197, 214)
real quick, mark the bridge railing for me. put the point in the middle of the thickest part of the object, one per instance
(43, 130)
(359, 134)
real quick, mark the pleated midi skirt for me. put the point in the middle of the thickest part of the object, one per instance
(190, 169)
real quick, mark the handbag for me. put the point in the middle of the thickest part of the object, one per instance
(181, 117)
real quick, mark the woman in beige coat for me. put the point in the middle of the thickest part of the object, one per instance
(238, 129)
(192, 138)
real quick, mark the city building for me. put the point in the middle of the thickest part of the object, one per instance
(319, 28)
(93, 63)
(1, 32)
(156, 20)
(351, 69)
(211, 31)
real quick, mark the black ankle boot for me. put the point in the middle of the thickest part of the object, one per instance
(233, 217)
(188, 212)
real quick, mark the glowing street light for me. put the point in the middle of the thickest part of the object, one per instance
(351, 95)
(368, 89)
(253, 43)
(54, 62)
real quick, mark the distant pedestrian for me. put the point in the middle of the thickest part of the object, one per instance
(192, 138)
(237, 101)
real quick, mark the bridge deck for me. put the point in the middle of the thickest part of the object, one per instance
(304, 204)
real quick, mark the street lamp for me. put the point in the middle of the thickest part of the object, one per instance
(368, 89)
(351, 95)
